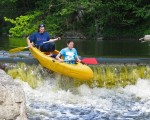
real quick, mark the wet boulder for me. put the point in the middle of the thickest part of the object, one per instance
(12, 99)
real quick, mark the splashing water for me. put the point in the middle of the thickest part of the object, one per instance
(119, 75)
(33, 75)
(108, 76)
(51, 102)
(117, 92)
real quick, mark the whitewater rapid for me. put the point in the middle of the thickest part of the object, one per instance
(50, 102)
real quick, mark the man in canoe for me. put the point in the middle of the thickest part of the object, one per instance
(38, 38)
(69, 53)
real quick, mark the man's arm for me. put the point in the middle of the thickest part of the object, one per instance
(29, 43)
(53, 40)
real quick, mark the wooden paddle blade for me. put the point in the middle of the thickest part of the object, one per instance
(17, 50)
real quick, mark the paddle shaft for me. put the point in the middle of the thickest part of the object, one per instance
(49, 41)
(22, 48)
(74, 61)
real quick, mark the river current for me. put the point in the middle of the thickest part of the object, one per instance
(52, 102)
(117, 92)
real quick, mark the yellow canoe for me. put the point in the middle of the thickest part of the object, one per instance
(79, 70)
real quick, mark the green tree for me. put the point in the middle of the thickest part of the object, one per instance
(24, 25)
(92, 18)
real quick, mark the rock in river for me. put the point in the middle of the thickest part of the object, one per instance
(12, 99)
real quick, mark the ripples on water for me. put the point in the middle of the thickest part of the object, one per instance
(52, 101)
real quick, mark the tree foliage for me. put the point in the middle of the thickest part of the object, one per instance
(93, 18)
(24, 25)
(7, 1)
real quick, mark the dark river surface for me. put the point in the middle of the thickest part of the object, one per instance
(92, 48)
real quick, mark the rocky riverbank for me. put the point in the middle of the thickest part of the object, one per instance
(12, 99)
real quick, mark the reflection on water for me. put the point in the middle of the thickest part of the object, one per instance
(91, 48)
(7, 43)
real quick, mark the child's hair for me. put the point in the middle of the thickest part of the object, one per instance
(69, 41)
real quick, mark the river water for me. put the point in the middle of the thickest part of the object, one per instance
(117, 92)
(92, 48)
(51, 96)
(50, 102)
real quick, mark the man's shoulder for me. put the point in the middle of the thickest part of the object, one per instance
(46, 33)
(35, 33)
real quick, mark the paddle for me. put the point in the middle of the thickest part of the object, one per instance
(22, 48)
(67, 61)
(91, 61)
(17, 49)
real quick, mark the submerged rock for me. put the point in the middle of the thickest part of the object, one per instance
(12, 99)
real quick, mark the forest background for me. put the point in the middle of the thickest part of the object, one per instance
(91, 18)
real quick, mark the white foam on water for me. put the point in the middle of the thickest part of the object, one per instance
(101, 99)
(51, 94)
(140, 89)
(54, 95)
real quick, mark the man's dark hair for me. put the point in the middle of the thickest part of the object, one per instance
(69, 41)
(41, 25)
